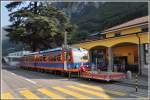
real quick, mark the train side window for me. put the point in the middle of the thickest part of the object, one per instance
(48, 57)
(45, 58)
(34, 58)
(59, 56)
(41, 58)
(38, 58)
(54, 57)
(51, 57)
(31, 59)
(27, 59)
(68, 56)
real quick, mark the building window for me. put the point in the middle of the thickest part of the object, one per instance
(146, 53)
(102, 36)
(144, 28)
(117, 34)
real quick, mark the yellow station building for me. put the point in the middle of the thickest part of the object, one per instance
(122, 45)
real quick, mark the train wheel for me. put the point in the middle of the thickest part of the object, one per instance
(62, 74)
(43, 71)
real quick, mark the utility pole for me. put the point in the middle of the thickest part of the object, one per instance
(65, 53)
(65, 50)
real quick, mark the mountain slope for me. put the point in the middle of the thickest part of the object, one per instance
(98, 16)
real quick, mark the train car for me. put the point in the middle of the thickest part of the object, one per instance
(57, 59)
(13, 59)
(28, 60)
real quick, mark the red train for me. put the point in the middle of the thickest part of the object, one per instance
(57, 59)
(69, 60)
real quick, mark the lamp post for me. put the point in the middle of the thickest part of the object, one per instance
(139, 63)
(139, 54)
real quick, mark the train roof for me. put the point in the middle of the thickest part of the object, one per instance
(51, 50)
(44, 51)
(13, 56)
(55, 49)
(32, 53)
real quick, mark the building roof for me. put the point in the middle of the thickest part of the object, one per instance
(130, 23)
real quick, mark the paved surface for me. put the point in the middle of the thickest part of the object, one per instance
(19, 83)
(142, 81)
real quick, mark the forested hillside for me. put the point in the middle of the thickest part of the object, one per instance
(92, 17)
(95, 17)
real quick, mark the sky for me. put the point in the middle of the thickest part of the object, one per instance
(5, 17)
(4, 14)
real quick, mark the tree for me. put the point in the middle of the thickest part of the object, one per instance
(37, 24)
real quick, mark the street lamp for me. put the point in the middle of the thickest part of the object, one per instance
(139, 62)
(139, 54)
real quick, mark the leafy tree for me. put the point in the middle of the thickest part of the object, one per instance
(37, 24)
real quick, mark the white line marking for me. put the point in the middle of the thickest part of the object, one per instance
(137, 96)
(25, 79)
(12, 73)
(30, 80)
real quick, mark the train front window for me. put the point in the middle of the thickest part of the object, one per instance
(85, 57)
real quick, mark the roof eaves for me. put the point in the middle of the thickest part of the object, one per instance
(121, 28)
